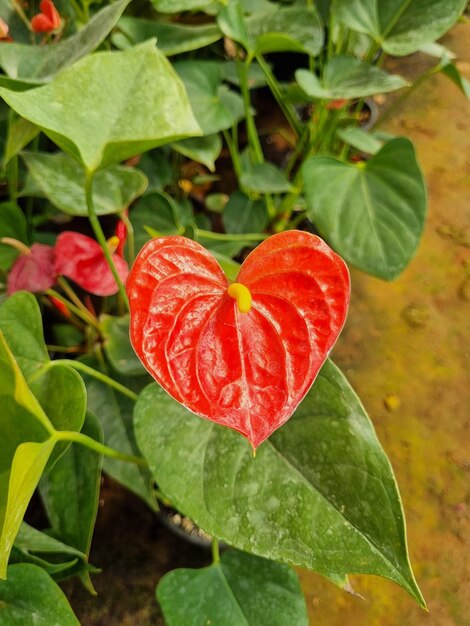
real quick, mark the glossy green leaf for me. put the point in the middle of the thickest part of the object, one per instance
(29, 597)
(114, 412)
(244, 215)
(12, 224)
(400, 26)
(113, 105)
(348, 77)
(172, 38)
(240, 590)
(360, 139)
(21, 324)
(452, 72)
(39, 64)
(288, 29)
(117, 346)
(20, 133)
(70, 490)
(215, 106)
(372, 213)
(175, 6)
(265, 178)
(62, 180)
(204, 150)
(319, 482)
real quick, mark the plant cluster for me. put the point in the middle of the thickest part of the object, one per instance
(205, 128)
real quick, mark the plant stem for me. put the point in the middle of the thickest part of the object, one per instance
(234, 154)
(256, 153)
(81, 367)
(100, 448)
(130, 236)
(73, 296)
(85, 317)
(96, 226)
(215, 551)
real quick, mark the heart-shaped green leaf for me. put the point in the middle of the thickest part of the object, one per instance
(39, 64)
(62, 180)
(43, 604)
(372, 213)
(215, 106)
(320, 492)
(400, 26)
(113, 105)
(240, 590)
(348, 77)
(172, 38)
(243, 215)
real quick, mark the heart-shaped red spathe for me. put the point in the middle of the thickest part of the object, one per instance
(248, 371)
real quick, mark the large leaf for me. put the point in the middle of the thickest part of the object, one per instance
(320, 492)
(21, 324)
(400, 26)
(12, 224)
(171, 38)
(30, 597)
(347, 77)
(373, 213)
(214, 105)
(62, 180)
(240, 590)
(39, 64)
(113, 105)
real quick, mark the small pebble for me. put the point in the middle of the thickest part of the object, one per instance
(392, 402)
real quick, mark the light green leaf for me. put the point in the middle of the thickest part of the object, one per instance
(319, 482)
(12, 224)
(117, 346)
(204, 150)
(20, 133)
(21, 324)
(265, 178)
(241, 590)
(360, 139)
(372, 214)
(172, 38)
(347, 77)
(400, 27)
(30, 597)
(110, 106)
(62, 180)
(215, 107)
(175, 6)
(39, 64)
(244, 215)
(231, 20)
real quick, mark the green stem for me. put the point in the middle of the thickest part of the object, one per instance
(85, 317)
(73, 297)
(96, 226)
(285, 106)
(130, 237)
(81, 367)
(208, 234)
(215, 551)
(234, 154)
(100, 448)
(256, 152)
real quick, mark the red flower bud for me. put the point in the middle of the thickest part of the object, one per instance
(81, 258)
(334, 105)
(34, 271)
(60, 306)
(47, 20)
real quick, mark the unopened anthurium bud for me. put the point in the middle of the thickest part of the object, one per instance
(47, 20)
(242, 355)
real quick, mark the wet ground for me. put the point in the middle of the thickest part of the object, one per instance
(406, 351)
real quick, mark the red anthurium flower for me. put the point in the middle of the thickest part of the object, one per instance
(243, 355)
(33, 270)
(47, 20)
(81, 258)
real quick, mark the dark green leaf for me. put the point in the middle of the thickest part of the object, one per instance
(171, 38)
(117, 346)
(62, 180)
(113, 105)
(347, 77)
(265, 178)
(31, 598)
(321, 481)
(451, 71)
(12, 224)
(215, 107)
(30, 539)
(241, 590)
(157, 211)
(372, 213)
(39, 64)
(244, 215)
(204, 150)
(400, 26)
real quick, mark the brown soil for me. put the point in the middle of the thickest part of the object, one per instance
(404, 349)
